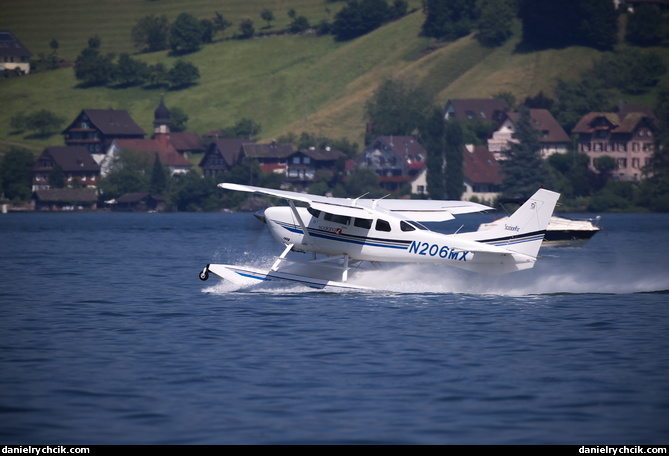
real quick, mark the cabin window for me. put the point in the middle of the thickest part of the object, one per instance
(343, 219)
(404, 226)
(363, 223)
(382, 225)
(314, 212)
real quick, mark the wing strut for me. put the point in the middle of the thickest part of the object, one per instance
(304, 228)
(276, 264)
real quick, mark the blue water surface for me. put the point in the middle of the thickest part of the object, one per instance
(108, 336)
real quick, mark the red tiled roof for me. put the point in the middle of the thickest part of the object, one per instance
(186, 141)
(486, 109)
(479, 166)
(168, 155)
(545, 123)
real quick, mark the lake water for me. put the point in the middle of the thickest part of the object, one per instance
(108, 336)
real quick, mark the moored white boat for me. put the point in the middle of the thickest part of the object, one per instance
(561, 232)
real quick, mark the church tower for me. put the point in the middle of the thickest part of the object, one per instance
(161, 123)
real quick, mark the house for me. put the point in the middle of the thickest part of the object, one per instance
(482, 173)
(184, 142)
(167, 154)
(187, 142)
(272, 157)
(222, 155)
(303, 166)
(78, 166)
(553, 138)
(482, 109)
(159, 145)
(65, 199)
(14, 56)
(626, 135)
(143, 202)
(396, 159)
(96, 129)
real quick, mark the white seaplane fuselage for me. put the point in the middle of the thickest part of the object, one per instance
(389, 238)
(387, 230)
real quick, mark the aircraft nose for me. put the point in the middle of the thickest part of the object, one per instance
(260, 215)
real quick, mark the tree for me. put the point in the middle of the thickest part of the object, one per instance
(432, 136)
(299, 25)
(57, 177)
(560, 23)
(494, 23)
(246, 128)
(577, 98)
(53, 61)
(598, 27)
(182, 75)
(220, 23)
(362, 182)
(129, 172)
(130, 72)
(158, 183)
(43, 122)
(267, 15)
(91, 67)
(15, 176)
(185, 34)
(628, 71)
(524, 169)
(246, 28)
(178, 119)
(449, 20)
(151, 33)
(454, 176)
(157, 75)
(645, 25)
(397, 109)
(358, 18)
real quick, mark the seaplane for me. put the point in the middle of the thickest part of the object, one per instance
(345, 236)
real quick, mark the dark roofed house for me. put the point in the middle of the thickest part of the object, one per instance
(272, 157)
(222, 155)
(63, 199)
(302, 165)
(187, 142)
(79, 168)
(96, 129)
(14, 56)
(483, 109)
(139, 202)
(396, 159)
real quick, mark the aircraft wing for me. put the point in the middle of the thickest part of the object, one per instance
(418, 210)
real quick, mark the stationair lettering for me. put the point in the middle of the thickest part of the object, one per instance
(442, 251)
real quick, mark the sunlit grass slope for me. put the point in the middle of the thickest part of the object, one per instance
(286, 83)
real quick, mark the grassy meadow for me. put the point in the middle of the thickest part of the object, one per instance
(286, 83)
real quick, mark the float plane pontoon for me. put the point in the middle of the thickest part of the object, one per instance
(349, 232)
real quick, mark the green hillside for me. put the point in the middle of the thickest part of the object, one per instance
(286, 83)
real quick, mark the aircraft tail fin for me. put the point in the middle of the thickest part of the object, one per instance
(524, 230)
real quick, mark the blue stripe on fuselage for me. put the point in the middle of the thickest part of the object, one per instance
(360, 240)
